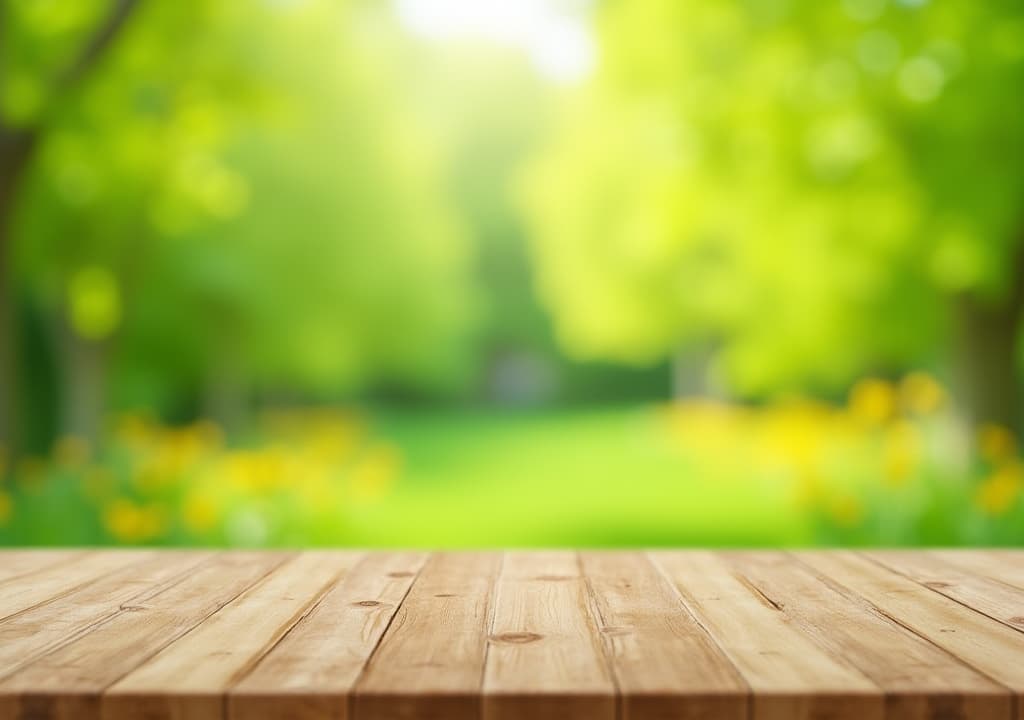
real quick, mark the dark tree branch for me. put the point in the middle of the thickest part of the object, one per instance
(98, 44)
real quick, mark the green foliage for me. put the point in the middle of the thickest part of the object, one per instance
(797, 185)
(258, 211)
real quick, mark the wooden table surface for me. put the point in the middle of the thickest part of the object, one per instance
(197, 635)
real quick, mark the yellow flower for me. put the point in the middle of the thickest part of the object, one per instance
(999, 492)
(872, 401)
(921, 394)
(201, 512)
(6, 507)
(132, 523)
(901, 452)
(376, 472)
(996, 443)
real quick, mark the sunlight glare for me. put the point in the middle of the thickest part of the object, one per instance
(557, 41)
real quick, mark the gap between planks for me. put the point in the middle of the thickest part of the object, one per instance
(506, 636)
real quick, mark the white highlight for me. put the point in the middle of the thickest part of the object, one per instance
(557, 41)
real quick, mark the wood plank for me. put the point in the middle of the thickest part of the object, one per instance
(790, 677)
(996, 599)
(29, 635)
(994, 649)
(1004, 566)
(205, 663)
(18, 563)
(665, 664)
(920, 680)
(58, 580)
(66, 684)
(430, 663)
(310, 674)
(545, 660)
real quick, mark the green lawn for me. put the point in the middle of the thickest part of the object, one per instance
(612, 477)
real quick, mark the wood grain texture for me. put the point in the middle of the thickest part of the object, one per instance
(430, 664)
(311, 673)
(920, 680)
(206, 662)
(18, 594)
(666, 665)
(1003, 566)
(999, 600)
(33, 633)
(790, 677)
(66, 684)
(19, 563)
(983, 643)
(545, 659)
(539, 635)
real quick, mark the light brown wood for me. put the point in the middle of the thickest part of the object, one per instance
(660, 635)
(51, 583)
(310, 674)
(665, 664)
(920, 680)
(790, 677)
(997, 599)
(983, 643)
(19, 563)
(33, 633)
(66, 684)
(545, 659)
(206, 662)
(430, 663)
(1003, 566)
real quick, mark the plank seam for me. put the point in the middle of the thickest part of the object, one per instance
(938, 591)
(73, 556)
(959, 564)
(103, 691)
(885, 615)
(489, 624)
(64, 593)
(104, 619)
(595, 612)
(351, 700)
(714, 643)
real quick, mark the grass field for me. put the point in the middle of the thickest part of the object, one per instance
(891, 467)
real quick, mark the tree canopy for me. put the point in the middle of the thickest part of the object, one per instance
(805, 189)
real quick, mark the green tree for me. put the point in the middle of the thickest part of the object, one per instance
(804, 191)
(234, 201)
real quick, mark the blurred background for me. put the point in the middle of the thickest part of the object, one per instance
(483, 272)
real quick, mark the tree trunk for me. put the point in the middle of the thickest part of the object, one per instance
(82, 366)
(16, 150)
(987, 349)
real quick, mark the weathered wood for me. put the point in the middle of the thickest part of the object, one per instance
(920, 680)
(18, 594)
(984, 644)
(42, 629)
(999, 600)
(666, 665)
(430, 663)
(206, 662)
(790, 677)
(665, 635)
(66, 684)
(545, 659)
(310, 674)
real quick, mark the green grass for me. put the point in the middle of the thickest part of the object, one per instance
(602, 478)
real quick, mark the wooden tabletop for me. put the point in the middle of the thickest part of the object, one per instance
(666, 635)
